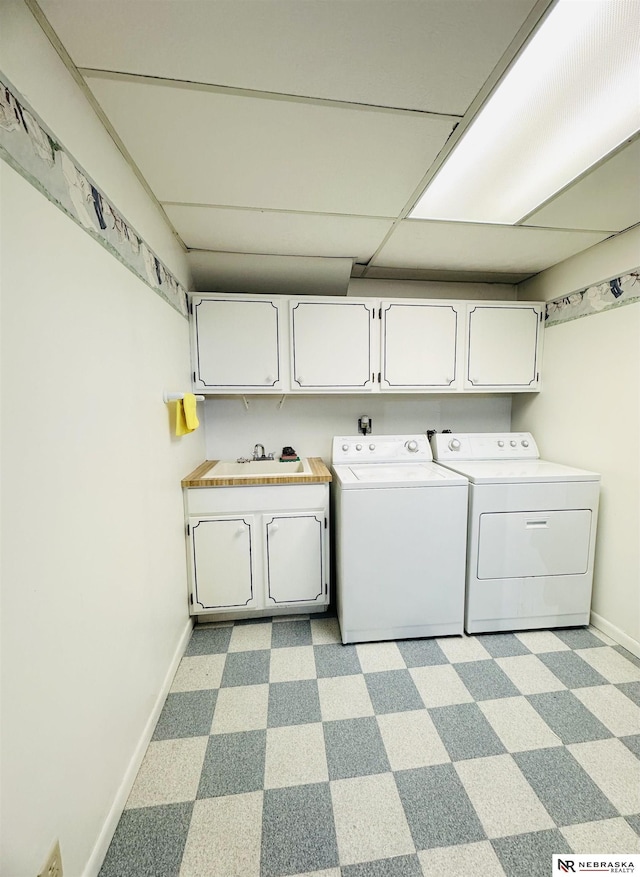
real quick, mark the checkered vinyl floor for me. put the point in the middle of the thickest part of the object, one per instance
(280, 751)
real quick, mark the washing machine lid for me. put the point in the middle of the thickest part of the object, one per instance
(519, 472)
(370, 475)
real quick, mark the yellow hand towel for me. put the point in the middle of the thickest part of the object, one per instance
(186, 418)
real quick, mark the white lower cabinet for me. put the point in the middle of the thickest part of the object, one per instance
(260, 560)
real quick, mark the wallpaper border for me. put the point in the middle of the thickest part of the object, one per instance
(30, 148)
(594, 299)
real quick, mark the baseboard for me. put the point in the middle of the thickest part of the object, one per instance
(105, 837)
(623, 639)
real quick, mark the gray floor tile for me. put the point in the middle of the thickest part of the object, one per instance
(571, 670)
(233, 763)
(393, 691)
(399, 866)
(485, 680)
(186, 714)
(291, 633)
(633, 743)
(421, 652)
(503, 645)
(529, 855)
(578, 638)
(632, 690)
(437, 807)
(628, 655)
(293, 703)
(634, 822)
(298, 832)
(566, 790)
(335, 659)
(465, 732)
(210, 641)
(567, 717)
(354, 748)
(246, 668)
(149, 841)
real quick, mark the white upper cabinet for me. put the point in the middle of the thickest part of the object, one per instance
(504, 346)
(332, 346)
(420, 346)
(237, 344)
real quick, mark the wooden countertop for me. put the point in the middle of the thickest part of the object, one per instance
(197, 478)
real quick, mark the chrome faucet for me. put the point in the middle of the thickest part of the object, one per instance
(258, 452)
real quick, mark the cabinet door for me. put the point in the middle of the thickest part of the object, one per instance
(420, 345)
(331, 346)
(295, 563)
(221, 563)
(237, 344)
(503, 347)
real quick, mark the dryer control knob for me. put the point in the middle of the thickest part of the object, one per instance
(412, 446)
(345, 447)
(372, 447)
(501, 444)
(358, 447)
(525, 443)
(513, 444)
(454, 445)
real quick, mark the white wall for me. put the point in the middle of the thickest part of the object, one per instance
(93, 568)
(588, 415)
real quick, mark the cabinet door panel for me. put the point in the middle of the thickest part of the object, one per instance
(295, 558)
(237, 344)
(419, 346)
(331, 346)
(222, 563)
(503, 346)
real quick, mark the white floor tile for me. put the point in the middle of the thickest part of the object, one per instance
(518, 725)
(250, 637)
(465, 860)
(224, 837)
(292, 664)
(295, 756)
(540, 641)
(344, 697)
(169, 773)
(529, 674)
(614, 769)
(615, 710)
(199, 673)
(440, 685)
(610, 664)
(325, 631)
(369, 819)
(411, 740)
(463, 648)
(241, 709)
(504, 801)
(376, 657)
(606, 836)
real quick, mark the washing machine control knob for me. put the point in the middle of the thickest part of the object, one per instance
(345, 447)
(525, 443)
(501, 444)
(513, 444)
(454, 445)
(358, 447)
(372, 447)
(412, 446)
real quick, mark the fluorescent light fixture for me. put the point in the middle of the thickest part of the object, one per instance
(570, 99)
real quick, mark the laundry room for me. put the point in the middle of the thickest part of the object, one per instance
(269, 159)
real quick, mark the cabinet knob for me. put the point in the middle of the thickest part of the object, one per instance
(269, 379)
(273, 528)
(240, 531)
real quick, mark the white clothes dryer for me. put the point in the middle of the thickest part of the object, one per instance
(401, 530)
(531, 532)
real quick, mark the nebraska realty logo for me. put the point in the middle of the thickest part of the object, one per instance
(596, 862)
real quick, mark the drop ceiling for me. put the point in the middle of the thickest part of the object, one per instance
(306, 129)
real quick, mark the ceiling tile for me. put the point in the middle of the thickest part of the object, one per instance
(608, 198)
(215, 148)
(454, 246)
(292, 234)
(421, 54)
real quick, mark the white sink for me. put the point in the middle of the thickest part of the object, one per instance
(256, 468)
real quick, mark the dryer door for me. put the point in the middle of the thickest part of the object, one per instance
(523, 544)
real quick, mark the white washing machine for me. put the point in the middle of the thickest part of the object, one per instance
(401, 530)
(532, 532)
